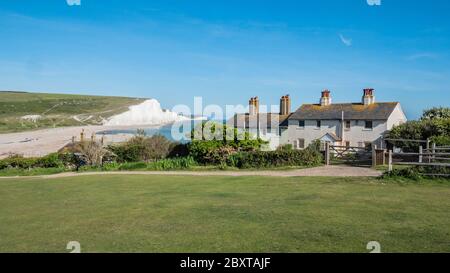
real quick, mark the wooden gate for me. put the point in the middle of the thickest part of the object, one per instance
(348, 155)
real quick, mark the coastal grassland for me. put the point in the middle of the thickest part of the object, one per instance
(57, 110)
(112, 213)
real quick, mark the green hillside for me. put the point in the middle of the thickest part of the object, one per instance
(56, 110)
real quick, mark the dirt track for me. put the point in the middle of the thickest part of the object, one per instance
(329, 171)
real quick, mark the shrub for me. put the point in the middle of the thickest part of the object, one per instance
(49, 161)
(110, 166)
(17, 161)
(200, 149)
(160, 165)
(411, 173)
(219, 156)
(287, 147)
(142, 148)
(178, 150)
(129, 166)
(20, 162)
(443, 140)
(418, 172)
(172, 164)
(280, 158)
(91, 153)
(434, 125)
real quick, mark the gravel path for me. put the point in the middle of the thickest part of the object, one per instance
(328, 171)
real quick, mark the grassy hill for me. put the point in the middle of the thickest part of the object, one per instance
(17, 110)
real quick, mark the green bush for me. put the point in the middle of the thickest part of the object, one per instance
(434, 125)
(142, 148)
(172, 164)
(287, 147)
(17, 161)
(110, 166)
(418, 172)
(20, 162)
(443, 140)
(129, 166)
(280, 158)
(49, 161)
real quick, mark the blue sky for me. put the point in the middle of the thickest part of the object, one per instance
(228, 51)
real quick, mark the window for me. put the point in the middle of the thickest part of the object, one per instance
(301, 123)
(368, 145)
(369, 124)
(348, 124)
(319, 124)
(301, 143)
(347, 144)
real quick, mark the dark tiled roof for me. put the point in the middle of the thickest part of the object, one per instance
(353, 111)
(266, 120)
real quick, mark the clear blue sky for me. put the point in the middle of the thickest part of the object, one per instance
(228, 51)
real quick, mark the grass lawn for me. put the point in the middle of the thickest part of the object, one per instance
(135, 213)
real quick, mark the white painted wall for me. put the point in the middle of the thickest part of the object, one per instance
(397, 117)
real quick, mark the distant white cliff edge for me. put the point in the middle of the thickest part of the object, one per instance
(147, 113)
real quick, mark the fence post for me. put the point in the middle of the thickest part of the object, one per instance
(390, 161)
(420, 154)
(374, 156)
(428, 150)
(327, 153)
(434, 152)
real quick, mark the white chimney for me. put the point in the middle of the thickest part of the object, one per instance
(368, 96)
(325, 100)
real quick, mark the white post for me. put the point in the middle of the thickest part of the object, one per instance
(390, 161)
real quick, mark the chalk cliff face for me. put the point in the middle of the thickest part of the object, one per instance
(147, 113)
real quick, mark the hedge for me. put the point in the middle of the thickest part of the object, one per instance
(279, 158)
(19, 162)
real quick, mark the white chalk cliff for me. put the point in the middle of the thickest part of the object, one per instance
(147, 113)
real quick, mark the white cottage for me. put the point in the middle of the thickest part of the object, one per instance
(345, 124)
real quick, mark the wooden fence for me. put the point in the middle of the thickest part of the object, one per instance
(432, 156)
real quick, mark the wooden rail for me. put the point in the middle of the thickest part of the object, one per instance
(433, 164)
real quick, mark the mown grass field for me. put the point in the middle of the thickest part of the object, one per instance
(114, 213)
(57, 110)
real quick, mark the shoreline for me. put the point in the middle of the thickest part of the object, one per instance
(41, 142)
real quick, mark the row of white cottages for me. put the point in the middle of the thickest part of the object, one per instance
(345, 124)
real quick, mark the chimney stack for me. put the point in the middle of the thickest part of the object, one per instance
(254, 106)
(368, 96)
(325, 100)
(285, 105)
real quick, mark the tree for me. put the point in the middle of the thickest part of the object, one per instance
(434, 125)
(91, 152)
(214, 142)
(436, 113)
